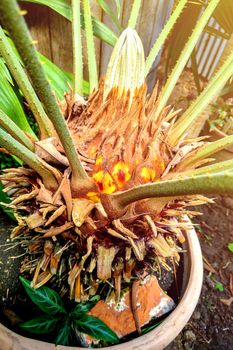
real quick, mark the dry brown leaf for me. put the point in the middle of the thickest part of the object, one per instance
(227, 302)
(43, 278)
(105, 258)
(47, 150)
(231, 284)
(44, 194)
(208, 266)
(54, 231)
(35, 220)
(56, 214)
(25, 197)
(116, 234)
(120, 227)
(81, 210)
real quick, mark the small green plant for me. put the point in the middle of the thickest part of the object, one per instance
(219, 286)
(66, 324)
(222, 116)
(230, 246)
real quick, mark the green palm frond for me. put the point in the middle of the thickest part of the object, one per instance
(12, 101)
(62, 7)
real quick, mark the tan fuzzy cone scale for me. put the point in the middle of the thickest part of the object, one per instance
(122, 142)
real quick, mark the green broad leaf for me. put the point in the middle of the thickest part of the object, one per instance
(62, 7)
(4, 71)
(82, 308)
(45, 298)
(40, 325)
(64, 334)
(230, 246)
(219, 286)
(106, 8)
(149, 328)
(118, 6)
(95, 328)
(58, 79)
(11, 105)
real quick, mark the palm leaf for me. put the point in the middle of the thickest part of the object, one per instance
(179, 36)
(101, 31)
(5, 72)
(10, 103)
(59, 79)
(186, 53)
(107, 9)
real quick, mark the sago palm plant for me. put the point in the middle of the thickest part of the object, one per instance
(107, 186)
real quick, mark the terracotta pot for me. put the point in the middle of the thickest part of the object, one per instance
(157, 339)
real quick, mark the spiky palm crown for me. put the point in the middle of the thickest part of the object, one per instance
(124, 139)
(123, 142)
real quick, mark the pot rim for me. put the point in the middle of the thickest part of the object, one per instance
(160, 337)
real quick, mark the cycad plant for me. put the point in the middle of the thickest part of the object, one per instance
(107, 185)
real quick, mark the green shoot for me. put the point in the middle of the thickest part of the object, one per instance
(164, 35)
(92, 66)
(185, 54)
(206, 151)
(7, 124)
(216, 183)
(214, 86)
(77, 48)
(13, 63)
(134, 14)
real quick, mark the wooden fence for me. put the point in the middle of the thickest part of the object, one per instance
(53, 32)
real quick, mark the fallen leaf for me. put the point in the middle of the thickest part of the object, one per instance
(231, 284)
(208, 266)
(227, 302)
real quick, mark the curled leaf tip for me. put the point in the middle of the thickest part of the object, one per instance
(127, 64)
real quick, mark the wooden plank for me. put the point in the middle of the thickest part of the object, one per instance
(61, 41)
(37, 18)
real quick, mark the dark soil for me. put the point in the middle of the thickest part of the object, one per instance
(211, 326)
(11, 255)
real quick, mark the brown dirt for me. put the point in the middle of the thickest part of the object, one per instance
(211, 326)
